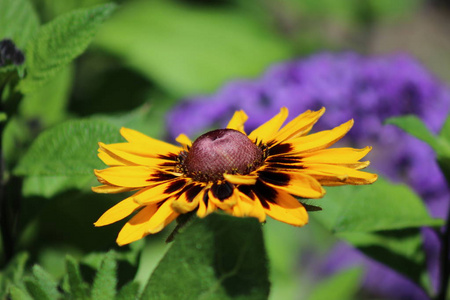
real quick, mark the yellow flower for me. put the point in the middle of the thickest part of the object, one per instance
(255, 175)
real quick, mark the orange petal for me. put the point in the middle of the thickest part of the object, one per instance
(188, 200)
(295, 183)
(110, 161)
(126, 176)
(137, 227)
(336, 155)
(151, 219)
(184, 140)
(267, 131)
(299, 126)
(237, 121)
(110, 189)
(241, 179)
(251, 208)
(119, 211)
(335, 173)
(130, 158)
(287, 209)
(152, 145)
(320, 140)
(224, 203)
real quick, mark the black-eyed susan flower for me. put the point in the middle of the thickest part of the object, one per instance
(255, 175)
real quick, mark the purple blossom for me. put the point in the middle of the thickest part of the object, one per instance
(349, 85)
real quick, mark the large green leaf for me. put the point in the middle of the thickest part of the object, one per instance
(380, 206)
(440, 143)
(219, 257)
(59, 42)
(18, 21)
(415, 126)
(383, 221)
(401, 250)
(191, 49)
(68, 149)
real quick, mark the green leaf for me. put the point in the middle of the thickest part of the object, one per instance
(188, 51)
(343, 285)
(13, 272)
(50, 186)
(18, 21)
(59, 42)
(415, 126)
(105, 281)
(400, 250)
(3, 117)
(17, 293)
(42, 285)
(68, 149)
(129, 291)
(440, 144)
(380, 206)
(219, 257)
(47, 104)
(445, 131)
(35, 290)
(78, 288)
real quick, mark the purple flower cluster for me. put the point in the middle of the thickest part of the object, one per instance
(367, 89)
(349, 85)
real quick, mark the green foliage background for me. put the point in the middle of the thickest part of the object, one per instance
(92, 67)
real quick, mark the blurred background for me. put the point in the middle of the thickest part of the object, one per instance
(162, 67)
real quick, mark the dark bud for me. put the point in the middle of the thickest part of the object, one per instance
(9, 53)
(19, 57)
(7, 49)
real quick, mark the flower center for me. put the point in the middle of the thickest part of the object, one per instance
(221, 151)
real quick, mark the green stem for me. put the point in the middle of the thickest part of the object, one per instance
(5, 208)
(444, 260)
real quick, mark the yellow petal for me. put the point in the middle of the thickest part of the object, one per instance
(130, 158)
(267, 131)
(241, 179)
(126, 176)
(336, 155)
(163, 216)
(188, 200)
(287, 209)
(110, 189)
(237, 121)
(201, 211)
(137, 227)
(295, 183)
(299, 126)
(341, 174)
(251, 208)
(184, 140)
(151, 219)
(224, 203)
(159, 192)
(119, 211)
(320, 140)
(154, 146)
(110, 161)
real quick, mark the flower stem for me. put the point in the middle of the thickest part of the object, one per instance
(5, 225)
(444, 260)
